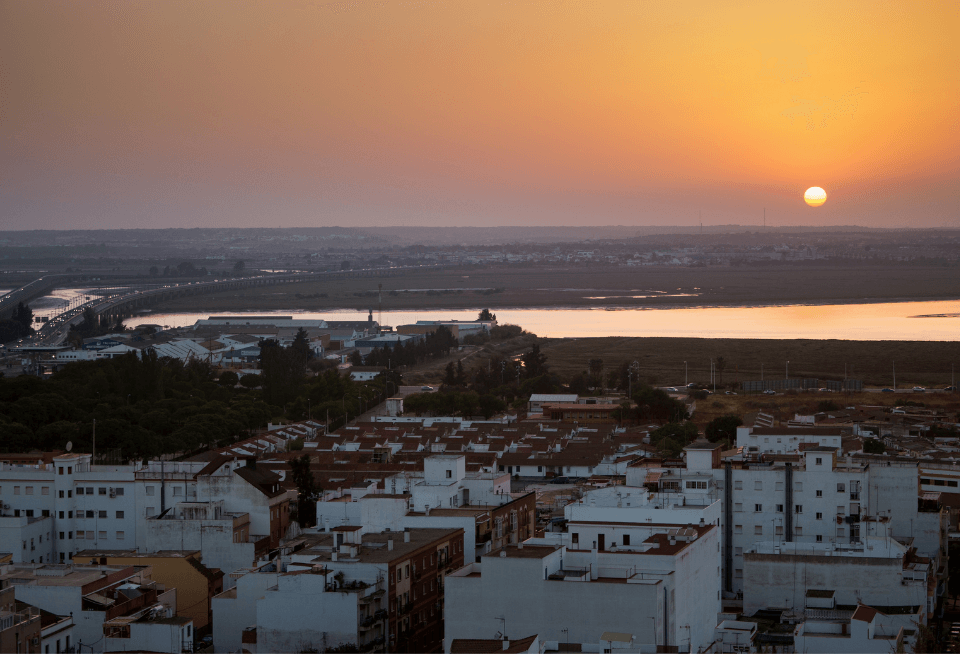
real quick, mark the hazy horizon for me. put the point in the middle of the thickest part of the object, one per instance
(532, 114)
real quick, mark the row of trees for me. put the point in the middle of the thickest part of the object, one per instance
(433, 345)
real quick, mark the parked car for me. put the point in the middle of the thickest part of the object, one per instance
(560, 480)
(886, 390)
(426, 388)
(769, 391)
(950, 388)
(671, 389)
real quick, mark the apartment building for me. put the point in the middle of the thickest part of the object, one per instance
(379, 591)
(20, 626)
(659, 584)
(92, 594)
(57, 508)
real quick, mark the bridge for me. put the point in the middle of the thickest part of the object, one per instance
(36, 288)
(114, 307)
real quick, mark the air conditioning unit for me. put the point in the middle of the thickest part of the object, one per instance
(34, 641)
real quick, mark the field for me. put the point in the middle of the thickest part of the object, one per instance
(594, 285)
(661, 360)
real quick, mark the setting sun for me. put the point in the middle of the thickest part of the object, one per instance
(815, 196)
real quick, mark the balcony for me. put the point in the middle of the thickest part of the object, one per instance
(854, 496)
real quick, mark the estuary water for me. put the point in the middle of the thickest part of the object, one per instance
(912, 321)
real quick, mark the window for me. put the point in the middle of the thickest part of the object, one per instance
(819, 493)
(841, 510)
(29, 513)
(89, 514)
(738, 529)
(406, 571)
(177, 491)
(738, 551)
(758, 485)
(149, 491)
(16, 490)
(102, 490)
(841, 488)
(779, 508)
(819, 516)
(923, 480)
(80, 490)
(44, 490)
(119, 535)
(449, 474)
(702, 485)
(80, 535)
(399, 575)
(539, 469)
(626, 539)
(952, 484)
(779, 530)
(119, 515)
(29, 490)
(61, 515)
(60, 494)
(101, 514)
(779, 486)
(738, 485)
(69, 493)
(819, 538)
(798, 531)
(61, 535)
(575, 538)
(841, 532)
(818, 461)
(758, 508)
(60, 471)
(798, 508)
(118, 491)
(738, 573)
(758, 530)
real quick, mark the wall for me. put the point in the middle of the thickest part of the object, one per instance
(214, 539)
(514, 588)
(236, 609)
(299, 615)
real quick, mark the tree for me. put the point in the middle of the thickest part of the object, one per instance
(251, 381)
(461, 377)
(673, 437)
(595, 366)
(307, 490)
(534, 362)
(874, 446)
(723, 428)
(450, 375)
(355, 358)
(154, 271)
(720, 366)
(239, 266)
(486, 316)
(23, 315)
(228, 378)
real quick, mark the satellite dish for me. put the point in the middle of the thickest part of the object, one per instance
(69, 445)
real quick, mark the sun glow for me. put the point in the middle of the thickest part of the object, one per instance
(815, 196)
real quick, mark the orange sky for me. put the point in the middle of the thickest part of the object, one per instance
(136, 114)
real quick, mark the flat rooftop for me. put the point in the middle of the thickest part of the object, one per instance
(373, 546)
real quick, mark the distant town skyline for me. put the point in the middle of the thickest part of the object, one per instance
(295, 114)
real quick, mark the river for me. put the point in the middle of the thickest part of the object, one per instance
(912, 321)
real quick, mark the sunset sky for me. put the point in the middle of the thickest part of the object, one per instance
(217, 113)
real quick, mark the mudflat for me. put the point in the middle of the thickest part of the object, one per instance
(594, 285)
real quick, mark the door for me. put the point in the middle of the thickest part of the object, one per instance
(601, 541)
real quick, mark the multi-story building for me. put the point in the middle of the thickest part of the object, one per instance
(91, 594)
(19, 626)
(56, 508)
(658, 583)
(376, 591)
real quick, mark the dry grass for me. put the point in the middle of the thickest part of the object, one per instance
(574, 285)
(661, 360)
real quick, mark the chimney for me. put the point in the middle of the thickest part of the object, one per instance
(701, 522)
(506, 643)
(389, 544)
(406, 535)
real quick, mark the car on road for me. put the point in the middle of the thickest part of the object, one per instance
(886, 390)
(426, 388)
(950, 388)
(919, 389)
(671, 389)
(769, 391)
(730, 393)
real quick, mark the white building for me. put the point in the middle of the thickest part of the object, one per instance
(786, 440)
(661, 584)
(867, 631)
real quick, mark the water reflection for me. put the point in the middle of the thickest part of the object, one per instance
(868, 322)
